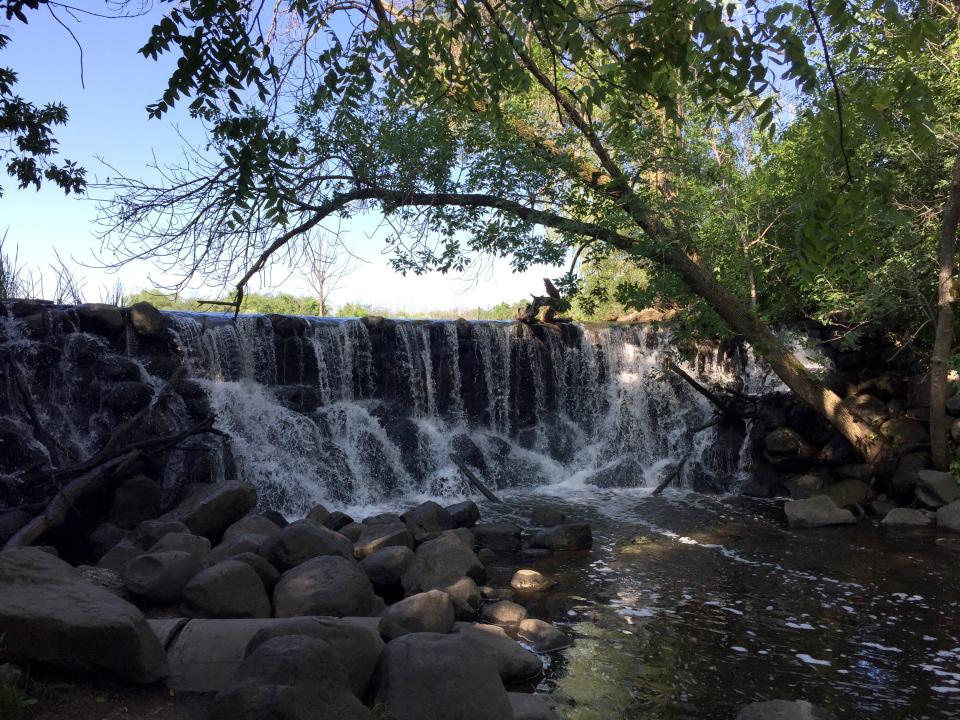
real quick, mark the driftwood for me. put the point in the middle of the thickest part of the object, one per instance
(475, 481)
(738, 406)
(544, 308)
(672, 475)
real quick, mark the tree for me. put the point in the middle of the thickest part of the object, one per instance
(471, 125)
(327, 264)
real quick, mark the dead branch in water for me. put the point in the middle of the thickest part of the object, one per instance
(475, 481)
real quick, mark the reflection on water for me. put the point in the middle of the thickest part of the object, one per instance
(690, 607)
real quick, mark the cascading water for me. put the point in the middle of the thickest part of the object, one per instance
(363, 411)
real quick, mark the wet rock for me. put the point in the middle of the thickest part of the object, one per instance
(11, 522)
(625, 472)
(502, 536)
(907, 517)
(492, 593)
(135, 500)
(786, 449)
(504, 612)
(464, 514)
(948, 517)
(545, 517)
(302, 541)
(441, 562)
(104, 537)
(783, 710)
(530, 581)
(100, 319)
(210, 510)
(430, 611)
(429, 675)
(291, 677)
(276, 518)
(940, 487)
(147, 533)
(147, 321)
(267, 573)
(465, 589)
(904, 431)
(427, 518)
(352, 531)
(808, 484)
(386, 566)
(377, 537)
(570, 536)
(251, 525)
(49, 615)
(904, 479)
(318, 514)
(543, 636)
(514, 663)
(329, 585)
(383, 519)
(184, 542)
(237, 545)
(849, 493)
(336, 520)
(816, 512)
(119, 555)
(532, 706)
(230, 589)
(159, 578)
(109, 580)
(486, 555)
(126, 396)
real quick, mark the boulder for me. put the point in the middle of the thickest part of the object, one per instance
(904, 431)
(622, 473)
(291, 677)
(816, 512)
(318, 514)
(386, 567)
(502, 536)
(11, 521)
(783, 710)
(907, 517)
(465, 590)
(109, 580)
(336, 520)
(904, 479)
(250, 525)
(439, 563)
(569, 536)
(440, 677)
(302, 541)
(147, 533)
(267, 573)
(100, 318)
(429, 517)
(50, 615)
(328, 585)
(464, 514)
(184, 542)
(504, 612)
(530, 581)
(543, 636)
(126, 396)
(383, 519)
(430, 611)
(210, 509)
(352, 531)
(237, 545)
(104, 537)
(948, 517)
(786, 449)
(848, 493)
(377, 537)
(940, 487)
(230, 589)
(532, 706)
(514, 663)
(159, 578)
(806, 485)
(147, 321)
(135, 500)
(867, 407)
(119, 555)
(546, 517)
(955, 431)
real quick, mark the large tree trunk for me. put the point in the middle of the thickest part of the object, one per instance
(943, 341)
(783, 362)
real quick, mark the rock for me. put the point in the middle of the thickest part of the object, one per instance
(464, 514)
(546, 517)
(530, 581)
(11, 522)
(907, 517)
(807, 484)
(955, 431)
(50, 615)
(504, 612)
(848, 493)
(904, 431)
(109, 580)
(503, 536)
(904, 479)
(210, 510)
(250, 525)
(514, 663)
(352, 531)
(302, 541)
(439, 563)
(318, 514)
(783, 710)
(328, 585)
(625, 472)
(492, 593)
(816, 512)
(119, 555)
(147, 533)
(532, 706)
(126, 396)
(465, 590)
(377, 537)
(941, 486)
(237, 545)
(786, 449)
(385, 567)
(428, 517)
(570, 536)
(184, 542)
(383, 519)
(136, 499)
(867, 407)
(100, 318)
(860, 471)
(230, 589)
(356, 646)
(543, 636)
(267, 573)
(104, 537)
(159, 578)
(948, 516)
(440, 677)
(290, 677)
(147, 321)
(486, 555)
(336, 520)
(430, 611)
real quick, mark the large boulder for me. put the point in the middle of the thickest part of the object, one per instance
(430, 611)
(440, 677)
(464, 514)
(267, 573)
(328, 585)
(533, 706)
(117, 557)
(502, 536)
(147, 533)
(786, 449)
(542, 636)
(209, 510)
(783, 710)
(569, 536)
(230, 589)
(848, 493)
(135, 500)
(251, 525)
(302, 541)
(530, 581)
(937, 488)
(159, 578)
(867, 407)
(441, 562)
(237, 545)
(386, 567)
(514, 663)
(904, 432)
(291, 677)
(147, 321)
(948, 517)
(907, 517)
(816, 512)
(183, 542)
(50, 615)
(622, 473)
(375, 537)
(504, 612)
(427, 518)
(542, 516)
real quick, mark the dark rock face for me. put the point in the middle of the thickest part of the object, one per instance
(230, 589)
(329, 585)
(302, 541)
(50, 615)
(209, 511)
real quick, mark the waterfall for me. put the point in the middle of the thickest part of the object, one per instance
(360, 411)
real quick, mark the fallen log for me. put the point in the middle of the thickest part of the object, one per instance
(475, 481)
(677, 469)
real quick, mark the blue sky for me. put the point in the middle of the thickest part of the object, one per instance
(108, 121)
